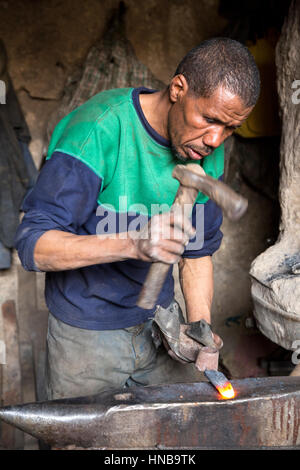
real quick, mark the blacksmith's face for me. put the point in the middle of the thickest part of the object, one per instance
(197, 126)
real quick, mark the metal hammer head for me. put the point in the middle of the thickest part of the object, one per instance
(193, 176)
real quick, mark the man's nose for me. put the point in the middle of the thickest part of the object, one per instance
(214, 137)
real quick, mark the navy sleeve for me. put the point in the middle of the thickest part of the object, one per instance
(63, 198)
(206, 219)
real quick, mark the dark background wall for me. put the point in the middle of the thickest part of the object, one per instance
(46, 39)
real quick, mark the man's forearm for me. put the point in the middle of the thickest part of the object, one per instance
(196, 279)
(58, 251)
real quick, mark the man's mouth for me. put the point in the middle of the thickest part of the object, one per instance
(194, 155)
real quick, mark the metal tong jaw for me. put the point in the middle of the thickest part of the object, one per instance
(186, 342)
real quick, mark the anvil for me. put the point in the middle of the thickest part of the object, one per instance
(265, 413)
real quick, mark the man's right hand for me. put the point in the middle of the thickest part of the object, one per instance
(164, 237)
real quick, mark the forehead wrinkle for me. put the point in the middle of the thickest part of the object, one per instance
(222, 105)
(225, 113)
(227, 119)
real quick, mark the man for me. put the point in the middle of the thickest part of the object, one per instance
(113, 157)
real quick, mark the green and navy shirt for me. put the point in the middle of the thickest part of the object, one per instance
(109, 171)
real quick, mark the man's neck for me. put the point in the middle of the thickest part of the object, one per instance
(155, 107)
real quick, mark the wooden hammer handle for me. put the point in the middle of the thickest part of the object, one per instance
(233, 204)
(158, 271)
(153, 284)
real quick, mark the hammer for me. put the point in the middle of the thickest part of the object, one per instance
(192, 179)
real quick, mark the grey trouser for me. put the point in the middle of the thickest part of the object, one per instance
(84, 362)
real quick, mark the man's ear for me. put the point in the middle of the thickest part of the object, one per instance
(178, 88)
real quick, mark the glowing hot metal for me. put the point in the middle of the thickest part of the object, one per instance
(221, 383)
(227, 391)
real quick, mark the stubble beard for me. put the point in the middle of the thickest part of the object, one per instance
(177, 155)
(174, 149)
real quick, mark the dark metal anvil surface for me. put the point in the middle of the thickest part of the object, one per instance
(265, 413)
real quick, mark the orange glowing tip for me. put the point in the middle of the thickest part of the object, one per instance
(221, 383)
(226, 391)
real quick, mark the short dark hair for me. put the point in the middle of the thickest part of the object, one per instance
(221, 62)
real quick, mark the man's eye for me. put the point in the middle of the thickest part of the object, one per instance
(209, 120)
